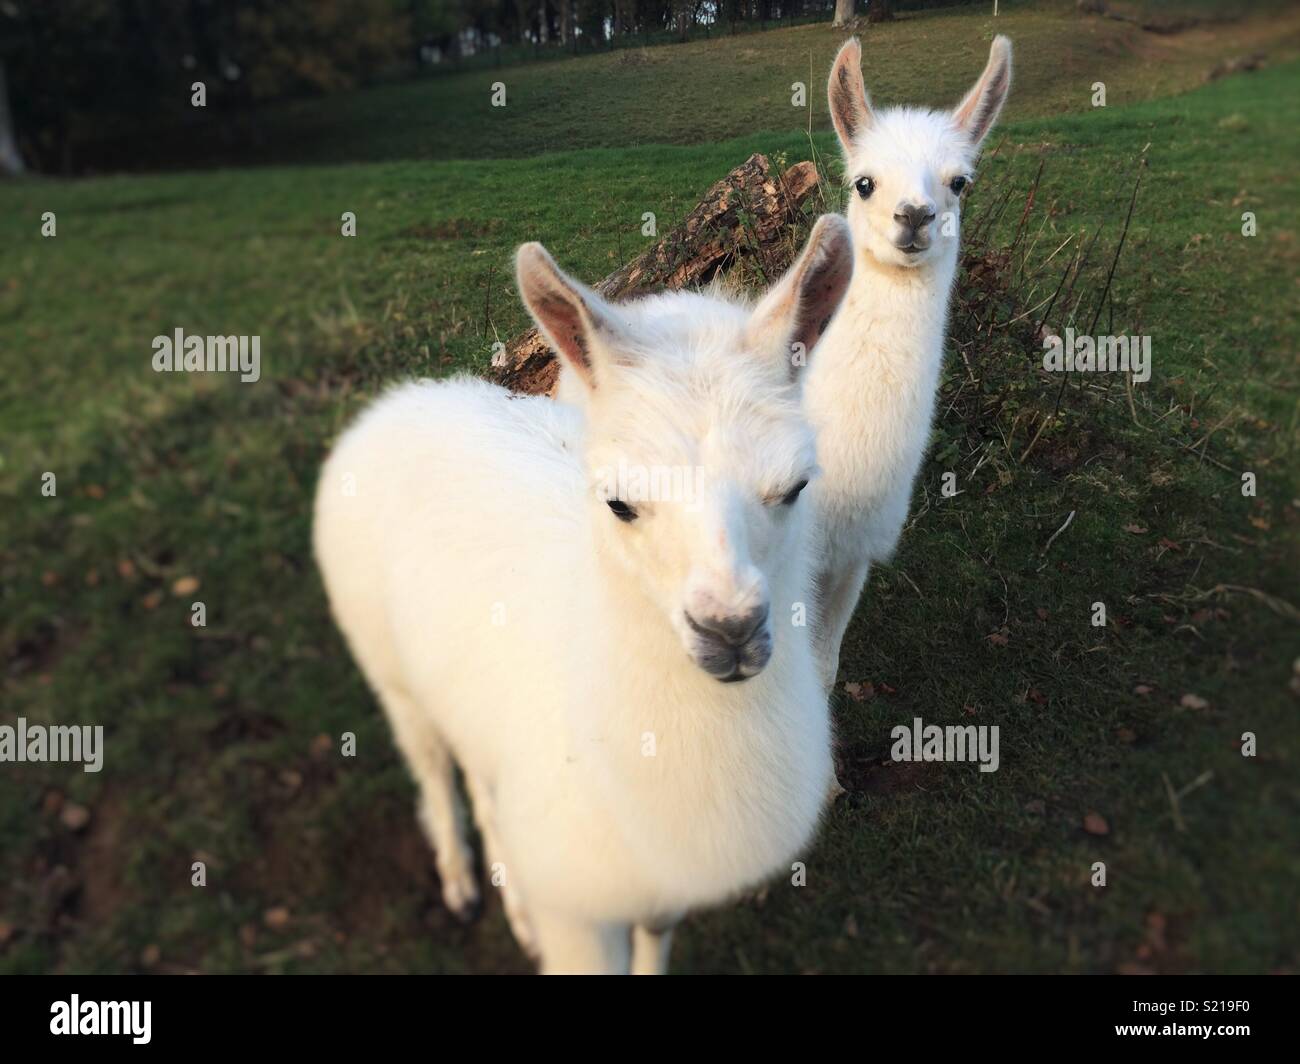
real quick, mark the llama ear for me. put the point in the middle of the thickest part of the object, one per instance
(847, 93)
(976, 114)
(795, 313)
(573, 319)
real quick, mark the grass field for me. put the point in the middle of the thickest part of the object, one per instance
(215, 748)
(718, 89)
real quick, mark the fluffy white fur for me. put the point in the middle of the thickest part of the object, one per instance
(871, 392)
(509, 621)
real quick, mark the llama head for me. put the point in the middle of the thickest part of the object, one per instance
(908, 166)
(696, 447)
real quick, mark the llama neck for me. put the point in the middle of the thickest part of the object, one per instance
(915, 298)
(885, 346)
(906, 308)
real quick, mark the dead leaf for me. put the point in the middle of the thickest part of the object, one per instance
(186, 585)
(997, 639)
(6, 931)
(1169, 544)
(860, 692)
(1137, 530)
(1126, 735)
(1190, 701)
(1095, 824)
(126, 568)
(150, 956)
(277, 918)
(152, 600)
(75, 817)
(1142, 689)
(1041, 613)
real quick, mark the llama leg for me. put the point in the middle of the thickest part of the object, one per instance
(651, 946)
(441, 811)
(839, 598)
(574, 947)
(498, 869)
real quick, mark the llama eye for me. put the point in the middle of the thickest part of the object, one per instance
(790, 496)
(865, 186)
(957, 184)
(622, 510)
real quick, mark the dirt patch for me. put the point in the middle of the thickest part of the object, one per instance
(862, 769)
(103, 892)
(39, 650)
(1065, 452)
(76, 879)
(1277, 35)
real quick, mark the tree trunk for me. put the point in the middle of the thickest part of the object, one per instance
(843, 12)
(880, 11)
(11, 162)
(713, 237)
(566, 21)
(543, 27)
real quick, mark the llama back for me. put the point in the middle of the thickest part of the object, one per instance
(423, 596)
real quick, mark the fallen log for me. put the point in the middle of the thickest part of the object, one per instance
(746, 215)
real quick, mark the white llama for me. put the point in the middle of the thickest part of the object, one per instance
(871, 392)
(549, 597)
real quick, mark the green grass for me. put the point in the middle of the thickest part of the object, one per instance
(210, 734)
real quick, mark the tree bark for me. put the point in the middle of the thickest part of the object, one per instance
(843, 12)
(713, 238)
(880, 11)
(11, 162)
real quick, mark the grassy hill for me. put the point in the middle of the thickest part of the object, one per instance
(212, 735)
(718, 89)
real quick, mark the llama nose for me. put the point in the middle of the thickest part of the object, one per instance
(914, 215)
(735, 631)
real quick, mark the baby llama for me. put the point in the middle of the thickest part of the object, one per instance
(595, 612)
(871, 392)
